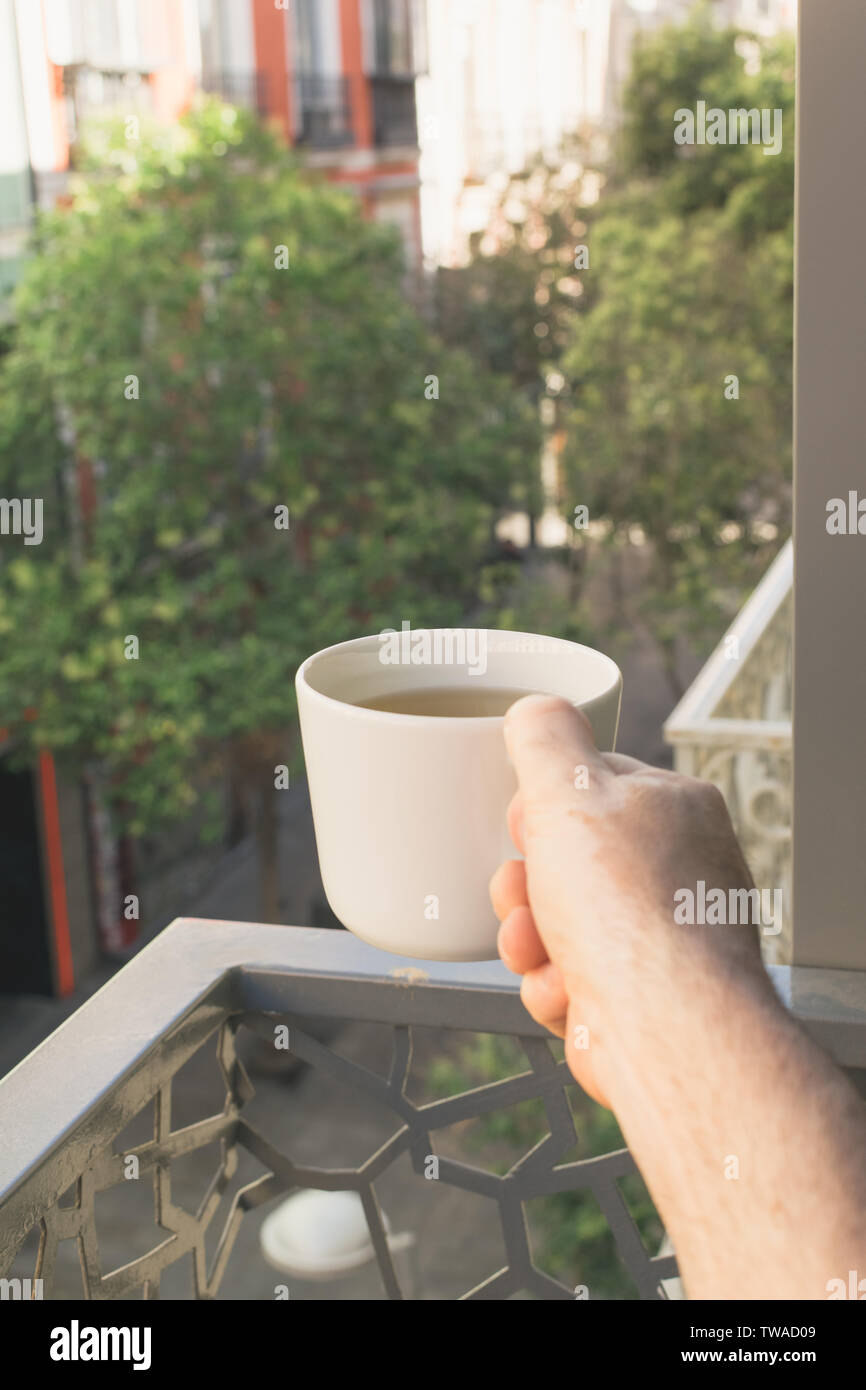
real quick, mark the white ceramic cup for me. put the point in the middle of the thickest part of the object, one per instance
(409, 810)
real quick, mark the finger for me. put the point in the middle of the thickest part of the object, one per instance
(543, 994)
(515, 821)
(519, 944)
(546, 739)
(508, 887)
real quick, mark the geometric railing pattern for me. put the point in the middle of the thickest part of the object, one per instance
(58, 1194)
(733, 728)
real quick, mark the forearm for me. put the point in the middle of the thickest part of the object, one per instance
(751, 1141)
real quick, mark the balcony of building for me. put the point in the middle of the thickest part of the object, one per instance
(91, 91)
(324, 112)
(395, 121)
(248, 89)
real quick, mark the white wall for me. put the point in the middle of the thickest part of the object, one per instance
(508, 77)
(13, 147)
(236, 23)
(34, 83)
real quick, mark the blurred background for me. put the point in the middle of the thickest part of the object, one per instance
(323, 316)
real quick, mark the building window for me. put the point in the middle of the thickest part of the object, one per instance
(392, 28)
(99, 34)
(308, 41)
(317, 37)
(397, 42)
(322, 113)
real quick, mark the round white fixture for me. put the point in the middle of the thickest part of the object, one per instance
(322, 1235)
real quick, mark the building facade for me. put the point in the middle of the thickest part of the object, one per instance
(337, 77)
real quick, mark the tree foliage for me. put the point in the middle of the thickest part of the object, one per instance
(689, 283)
(680, 371)
(169, 387)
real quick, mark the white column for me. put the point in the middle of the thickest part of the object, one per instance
(830, 462)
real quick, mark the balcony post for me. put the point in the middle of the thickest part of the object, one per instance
(351, 34)
(829, 865)
(270, 40)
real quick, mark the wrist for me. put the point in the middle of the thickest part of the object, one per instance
(664, 996)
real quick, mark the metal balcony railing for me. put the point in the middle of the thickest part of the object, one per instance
(249, 89)
(733, 728)
(395, 120)
(324, 111)
(91, 91)
(200, 985)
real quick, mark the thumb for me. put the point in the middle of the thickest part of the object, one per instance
(547, 740)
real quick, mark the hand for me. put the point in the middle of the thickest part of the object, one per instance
(588, 918)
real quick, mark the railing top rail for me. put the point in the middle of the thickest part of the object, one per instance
(211, 969)
(744, 733)
(831, 1004)
(228, 967)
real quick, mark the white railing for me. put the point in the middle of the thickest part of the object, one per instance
(733, 728)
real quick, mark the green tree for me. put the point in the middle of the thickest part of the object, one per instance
(512, 304)
(225, 401)
(676, 67)
(686, 282)
(680, 370)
